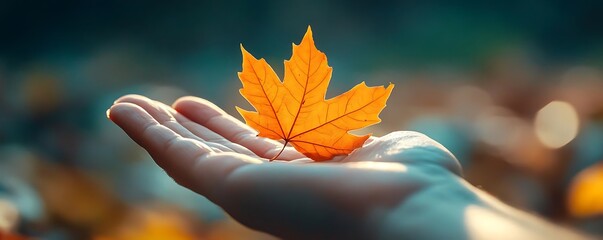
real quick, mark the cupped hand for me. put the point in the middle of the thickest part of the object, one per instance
(356, 196)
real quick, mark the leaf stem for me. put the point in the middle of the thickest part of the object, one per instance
(279, 153)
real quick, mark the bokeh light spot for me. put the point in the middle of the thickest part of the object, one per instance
(556, 124)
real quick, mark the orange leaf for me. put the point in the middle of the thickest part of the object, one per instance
(295, 110)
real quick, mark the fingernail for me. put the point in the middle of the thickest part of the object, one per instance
(108, 113)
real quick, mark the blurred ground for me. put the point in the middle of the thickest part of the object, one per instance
(513, 89)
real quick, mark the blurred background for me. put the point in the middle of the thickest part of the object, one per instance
(514, 89)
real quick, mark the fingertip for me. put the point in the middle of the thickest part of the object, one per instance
(182, 105)
(115, 111)
(183, 100)
(120, 111)
(197, 108)
(128, 98)
(193, 102)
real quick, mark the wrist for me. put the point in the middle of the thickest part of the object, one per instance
(457, 210)
(434, 212)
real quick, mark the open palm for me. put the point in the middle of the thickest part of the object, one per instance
(219, 157)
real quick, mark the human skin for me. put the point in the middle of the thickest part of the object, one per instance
(403, 185)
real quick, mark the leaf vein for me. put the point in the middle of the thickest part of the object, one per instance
(337, 118)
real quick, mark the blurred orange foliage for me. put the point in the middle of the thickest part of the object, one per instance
(585, 196)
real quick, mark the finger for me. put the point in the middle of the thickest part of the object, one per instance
(165, 117)
(209, 136)
(207, 114)
(169, 149)
(162, 116)
(191, 163)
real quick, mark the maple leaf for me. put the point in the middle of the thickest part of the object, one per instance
(295, 110)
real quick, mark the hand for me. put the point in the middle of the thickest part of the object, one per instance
(402, 185)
